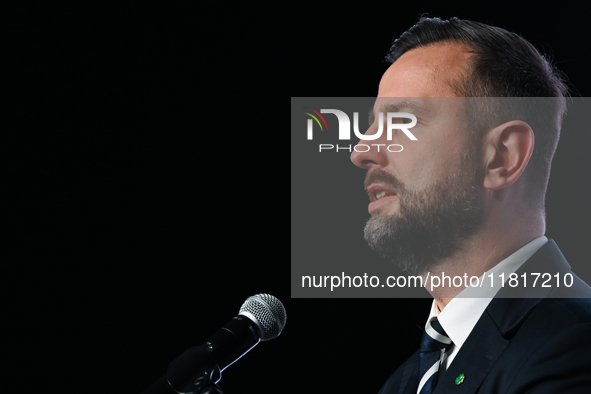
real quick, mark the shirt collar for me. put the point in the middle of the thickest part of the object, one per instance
(461, 314)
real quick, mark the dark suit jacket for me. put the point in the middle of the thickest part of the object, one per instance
(521, 345)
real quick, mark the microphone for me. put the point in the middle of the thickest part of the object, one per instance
(261, 318)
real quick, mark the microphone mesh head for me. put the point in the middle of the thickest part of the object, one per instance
(268, 312)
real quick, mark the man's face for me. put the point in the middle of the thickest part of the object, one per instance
(425, 200)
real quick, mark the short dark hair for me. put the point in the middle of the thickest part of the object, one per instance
(503, 64)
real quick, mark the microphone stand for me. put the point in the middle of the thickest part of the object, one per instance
(184, 378)
(193, 372)
(204, 385)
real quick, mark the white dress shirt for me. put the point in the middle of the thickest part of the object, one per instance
(461, 314)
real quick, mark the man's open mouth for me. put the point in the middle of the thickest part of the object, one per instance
(382, 194)
(377, 192)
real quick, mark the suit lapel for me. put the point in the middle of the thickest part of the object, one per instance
(405, 379)
(475, 359)
(410, 376)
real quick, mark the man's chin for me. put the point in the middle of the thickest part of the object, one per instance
(384, 237)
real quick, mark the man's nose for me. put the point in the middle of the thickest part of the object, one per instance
(368, 154)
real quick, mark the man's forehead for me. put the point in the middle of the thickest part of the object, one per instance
(427, 71)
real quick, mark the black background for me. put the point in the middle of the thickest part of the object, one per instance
(149, 183)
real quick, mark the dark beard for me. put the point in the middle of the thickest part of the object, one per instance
(431, 223)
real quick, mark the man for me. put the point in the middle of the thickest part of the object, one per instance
(467, 199)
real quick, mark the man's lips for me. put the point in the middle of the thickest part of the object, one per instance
(379, 195)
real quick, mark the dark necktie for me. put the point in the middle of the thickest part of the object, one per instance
(435, 342)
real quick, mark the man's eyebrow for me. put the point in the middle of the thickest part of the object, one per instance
(402, 106)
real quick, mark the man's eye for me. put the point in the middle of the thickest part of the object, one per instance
(401, 120)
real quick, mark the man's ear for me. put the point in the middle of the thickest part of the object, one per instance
(507, 150)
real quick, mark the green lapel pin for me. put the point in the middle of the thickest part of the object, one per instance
(460, 379)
